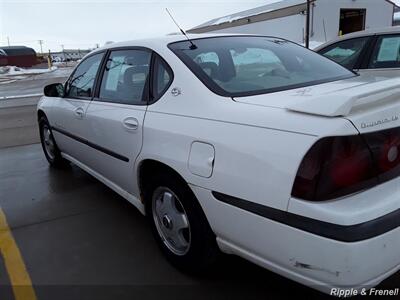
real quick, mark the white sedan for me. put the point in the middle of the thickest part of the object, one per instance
(373, 51)
(251, 145)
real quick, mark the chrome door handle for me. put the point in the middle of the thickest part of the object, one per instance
(79, 112)
(131, 123)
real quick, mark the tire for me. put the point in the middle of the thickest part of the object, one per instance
(200, 251)
(49, 146)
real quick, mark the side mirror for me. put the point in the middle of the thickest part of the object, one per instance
(54, 90)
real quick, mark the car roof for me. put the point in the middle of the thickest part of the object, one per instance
(368, 32)
(157, 43)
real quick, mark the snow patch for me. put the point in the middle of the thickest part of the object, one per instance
(15, 71)
(230, 19)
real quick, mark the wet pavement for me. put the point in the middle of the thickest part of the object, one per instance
(18, 122)
(77, 237)
(32, 84)
(80, 240)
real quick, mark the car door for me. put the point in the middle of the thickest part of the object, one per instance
(114, 119)
(70, 111)
(384, 59)
(349, 53)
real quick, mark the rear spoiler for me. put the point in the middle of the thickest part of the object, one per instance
(342, 102)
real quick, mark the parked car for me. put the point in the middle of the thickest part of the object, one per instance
(374, 51)
(251, 145)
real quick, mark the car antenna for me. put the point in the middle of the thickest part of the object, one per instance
(192, 45)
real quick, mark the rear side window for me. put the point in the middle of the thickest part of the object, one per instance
(248, 65)
(126, 77)
(162, 77)
(346, 53)
(386, 53)
(81, 83)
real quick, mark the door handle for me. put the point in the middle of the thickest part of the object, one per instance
(79, 112)
(130, 123)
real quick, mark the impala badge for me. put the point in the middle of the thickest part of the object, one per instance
(176, 91)
(379, 122)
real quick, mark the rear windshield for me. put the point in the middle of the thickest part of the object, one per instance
(248, 65)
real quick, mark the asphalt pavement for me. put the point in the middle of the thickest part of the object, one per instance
(32, 84)
(18, 100)
(18, 122)
(80, 240)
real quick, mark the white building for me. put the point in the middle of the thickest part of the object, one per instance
(68, 55)
(287, 19)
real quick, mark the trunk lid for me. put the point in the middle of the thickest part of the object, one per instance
(371, 103)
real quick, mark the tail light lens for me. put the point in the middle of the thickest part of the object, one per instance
(339, 166)
(385, 148)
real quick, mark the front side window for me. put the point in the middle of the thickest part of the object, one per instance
(386, 53)
(346, 53)
(244, 65)
(126, 77)
(81, 83)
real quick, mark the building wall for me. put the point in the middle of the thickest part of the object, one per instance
(3, 60)
(22, 61)
(69, 55)
(291, 28)
(379, 13)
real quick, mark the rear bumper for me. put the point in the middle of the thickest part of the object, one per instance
(320, 259)
(344, 233)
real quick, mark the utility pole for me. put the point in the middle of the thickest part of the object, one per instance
(41, 46)
(308, 24)
(8, 41)
(49, 62)
(64, 58)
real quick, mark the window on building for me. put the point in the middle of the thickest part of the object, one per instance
(352, 20)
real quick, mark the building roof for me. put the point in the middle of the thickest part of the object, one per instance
(284, 7)
(280, 9)
(17, 50)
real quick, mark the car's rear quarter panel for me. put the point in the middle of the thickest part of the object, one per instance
(257, 149)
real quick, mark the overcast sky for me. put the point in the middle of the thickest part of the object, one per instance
(84, 23)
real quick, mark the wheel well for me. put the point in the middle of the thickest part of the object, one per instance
(148, 168)
(146, 171)
(40, 114)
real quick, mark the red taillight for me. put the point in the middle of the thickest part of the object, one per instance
(389, 154)
(350, 164)
(385, 148)
(338, 166)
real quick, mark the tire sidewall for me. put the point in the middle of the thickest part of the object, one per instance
(202, 238)
(57, 160)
